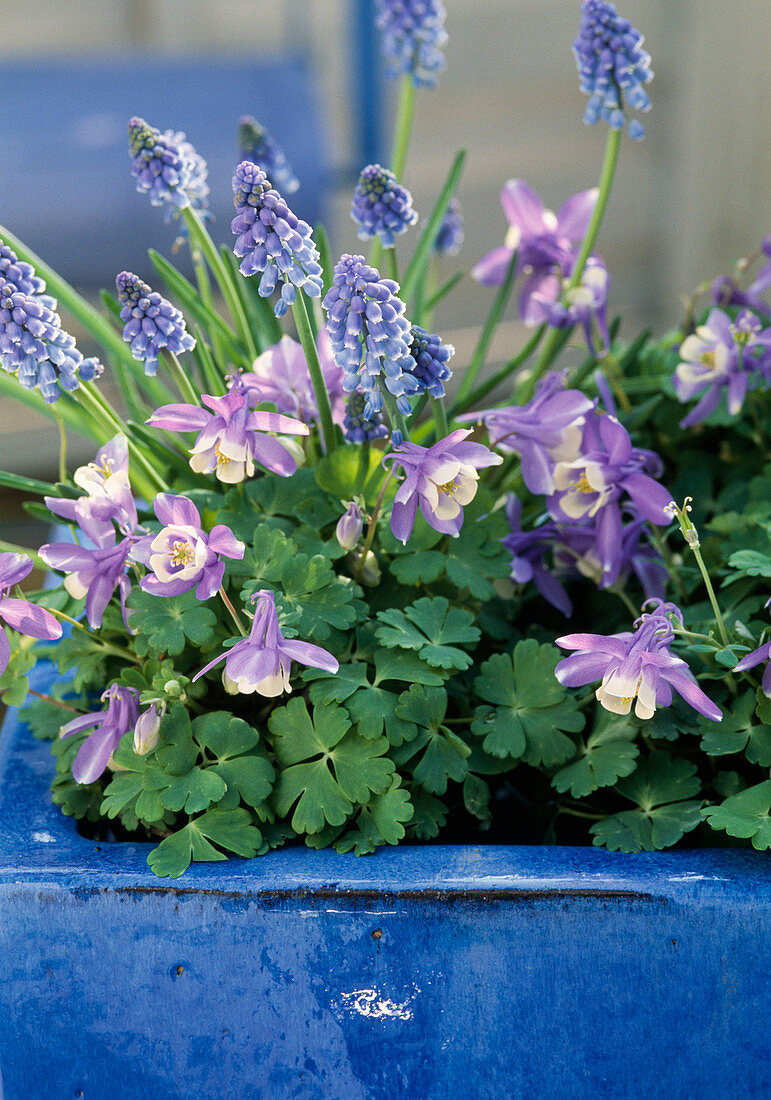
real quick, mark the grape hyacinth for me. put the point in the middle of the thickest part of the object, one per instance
(152, 322)
(35, 348)
(272, 240)
(413, 38)
(431, 357)
(256, 145)
(21, 275)
(381, 206)
(369, 334)
(450, 236)
(612, 66)
(166, 166)
(360, 429)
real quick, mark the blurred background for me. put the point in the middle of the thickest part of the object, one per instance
(688, 200)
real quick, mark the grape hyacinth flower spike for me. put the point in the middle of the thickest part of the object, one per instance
(358, 428)
(166, 166)
(413, 38)
(182, 555)
(369, 334)
(612, 66)
(256, 144)
(450, 236)
(152, 323)
(431, 358)
(108, 728)
(381, 206)
(21, 615)
(271, 240)
(635, 667)
(440, 480)
(22, 276)
(262, 662)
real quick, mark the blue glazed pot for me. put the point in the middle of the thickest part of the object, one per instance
(416, 973)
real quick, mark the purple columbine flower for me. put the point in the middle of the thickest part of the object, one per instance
(612, 66)
(381, 206)
(35, 348)
(182, 555)
(262, 662)
(108, 496)
(576, 554)
(256, 144)
(545, 431)
(108, 726)
(726, 292)
(166, 166)
(441, 479)
(585, 305)
(546, 245)
(634, 667)
(358, 428)
(152, 322)
(528, 554)
(413, 38)
(25, 617)
(450, 236)
(431, 358)
(93, 573)
(369, 334)
(280, 377)
(272, 240)
(231, 436)
(721, 355)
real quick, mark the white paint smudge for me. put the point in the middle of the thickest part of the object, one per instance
(369, 1002)
(44, 838)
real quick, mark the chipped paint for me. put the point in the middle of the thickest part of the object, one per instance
(375, 1005)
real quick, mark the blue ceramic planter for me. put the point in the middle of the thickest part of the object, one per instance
(416, 973)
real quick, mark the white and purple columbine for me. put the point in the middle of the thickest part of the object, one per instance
(256, 144)
(381, 206)
(108, 727)
(231, 436)
(280, 377)
(21, 615)
(722, 355)
(152, 323)
(635, 667)
(584, 305)
(726, 291)
(546, 245)
(108, 498)
(369, 334)
(413, 38)
(182, 555)
(612, 66)
(262, 662)
(271, 240)
(440, 480)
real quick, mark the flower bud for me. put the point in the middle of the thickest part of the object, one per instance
(350, 527)
(147, 729)
(173, 688)
(368, 573)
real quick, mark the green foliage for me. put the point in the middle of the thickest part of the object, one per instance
(608, 754)
(746, 815)
(206, 839)
(166, 625)
(14, 683)
(433, 629)
(739, 732)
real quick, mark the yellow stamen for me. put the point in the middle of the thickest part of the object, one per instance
(708, 359)
(222, 460)
(448, 489)
(105, 469)
(582, 485)
(181, 553)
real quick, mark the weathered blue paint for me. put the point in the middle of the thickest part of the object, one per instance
(417, 973)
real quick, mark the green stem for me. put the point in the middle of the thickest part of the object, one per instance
(496, 312)
(233, 613)
(54, 702)
(550, 347)
(372, 525)
(204, 289)
(62, 447)
(201, 234)
(403, 126)
(305, 333)
(102, 411)
(500, 375)
(108, 647)
(177, 372)
(441, 427)
(711, 594)
(391, 266)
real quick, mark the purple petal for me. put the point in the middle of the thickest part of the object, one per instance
(251, 663)
(176, 510)
(552, 591)
(491, 269)
(222, 541)
(754, 658)
(14, 568)
(67, 557)
(99, 593)
(93, 754)
(650, 497)
(575, 214)
(403, 518)
(537, 293)
(30, 619)
(306, 654)
(537, 470)
(273, 456)
(597, 643)
(446, 526)
(210, 582)
(616, 439)
(211, 664)
(5, 651)
(683, 683)
(703, 408)
(82, 722)
(582, 668)
(523, 207)
(276, 422)
(179, 418)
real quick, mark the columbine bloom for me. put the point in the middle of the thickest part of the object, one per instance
(152, 322)
(23, 616)
(545, 431)
(450, 235)
(546, 245)
(585, 305)
(108, 728)
(93, 573)
(381, 206)
(231, 437)
(431, 358)
(108, 495)
(166, 166)
(576, 553)
(721, 355)
(358, 428)
(272, 240)
(369, 334)
(35, 348)
(256, 144)
(528, 555)
(281, 377)
(635, 667)
(413, 38)
(182, 556)
(441, 479)
(725, 291)
(262, 662)
(612, 66)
